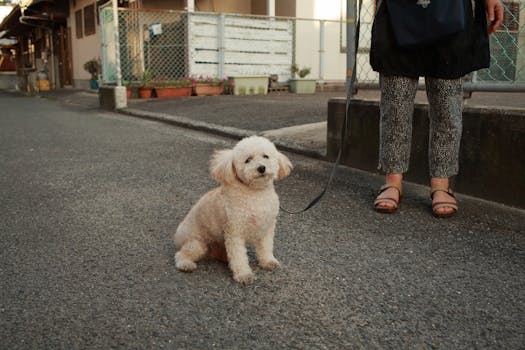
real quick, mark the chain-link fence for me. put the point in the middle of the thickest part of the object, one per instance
(507, 45)
(173, 44)
(151, 44)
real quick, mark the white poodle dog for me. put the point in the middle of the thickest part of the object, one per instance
(243, 210)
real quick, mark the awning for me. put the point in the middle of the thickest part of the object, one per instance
(24, 4)
(11, 18)
(30, 13)
(11, 25)
(7, 42)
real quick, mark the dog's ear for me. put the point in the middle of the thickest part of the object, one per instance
(285, 166)
(221, 166)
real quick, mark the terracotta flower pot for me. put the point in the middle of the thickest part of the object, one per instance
(208, 90)
(145, 92)
(128, 93)
(169, 92)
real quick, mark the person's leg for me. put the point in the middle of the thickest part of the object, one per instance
(445, 98)
(396, 109)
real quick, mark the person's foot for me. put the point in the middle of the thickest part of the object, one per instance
(444, 203)
(390, 194)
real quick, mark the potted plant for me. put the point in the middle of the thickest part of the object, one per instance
(301, 85)
(93, 67)
(168, 88)
(128, 85)
(209, 86)
(146, 87)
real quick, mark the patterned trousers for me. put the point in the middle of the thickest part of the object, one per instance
(445, 113)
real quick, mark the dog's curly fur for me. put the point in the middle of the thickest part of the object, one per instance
(243, 210)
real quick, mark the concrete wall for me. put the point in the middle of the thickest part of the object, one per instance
(8, 80)
(491, 161)
(163, 4)
(286, 8)
(226, 6)
(259, 7)
(82, 49)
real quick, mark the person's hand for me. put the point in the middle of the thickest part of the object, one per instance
(494, 14)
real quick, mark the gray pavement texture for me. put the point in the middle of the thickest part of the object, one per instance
(293, 121)
(90, 200)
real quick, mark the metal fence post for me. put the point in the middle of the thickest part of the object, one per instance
(103, 45)
(350, 45)
(321, 50)
(117, 43)
(220, 38)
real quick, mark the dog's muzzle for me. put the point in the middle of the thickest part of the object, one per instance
(261, 169)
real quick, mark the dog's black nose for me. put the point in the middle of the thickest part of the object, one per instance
(261, 169)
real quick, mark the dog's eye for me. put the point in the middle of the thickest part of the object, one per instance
(265, 156)
(248, 160)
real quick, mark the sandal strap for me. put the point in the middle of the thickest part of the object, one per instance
(387, 186)
(438, 189)
(386, 200)
(450, 205)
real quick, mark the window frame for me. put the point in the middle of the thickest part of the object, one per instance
(79, 26)
(90, 23)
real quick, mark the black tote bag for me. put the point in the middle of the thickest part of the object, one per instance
(421, 23)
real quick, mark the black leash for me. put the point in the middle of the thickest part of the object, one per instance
(349, 93)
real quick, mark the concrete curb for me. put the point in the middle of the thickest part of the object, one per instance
(187, 123)
(236, 133)
(491, 148)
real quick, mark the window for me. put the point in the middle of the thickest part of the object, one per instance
(89, 19)
(78, 23)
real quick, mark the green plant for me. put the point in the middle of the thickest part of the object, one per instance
(210, 80)
(303, 72)
(146, 78)
(170, 82)
(131, 83)
(92, 67)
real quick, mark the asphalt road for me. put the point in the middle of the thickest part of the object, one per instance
(89, 201)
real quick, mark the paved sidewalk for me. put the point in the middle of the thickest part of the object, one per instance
(295, 122)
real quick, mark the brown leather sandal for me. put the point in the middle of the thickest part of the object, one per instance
(438, 205)
(394, 202)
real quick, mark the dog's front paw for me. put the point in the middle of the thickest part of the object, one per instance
(245, 278)
(271, 264)
(184, 264)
